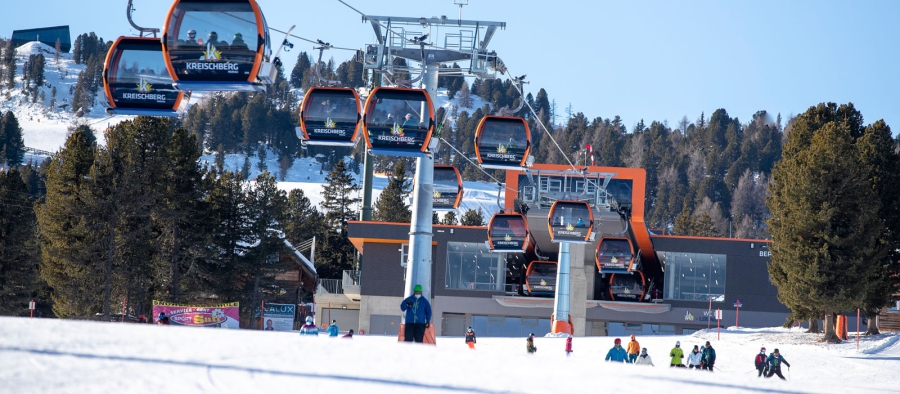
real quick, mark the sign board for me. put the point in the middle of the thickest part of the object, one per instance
(219, 316)
(31, 305)
(279, 317)
(737, 304)
(718, 314)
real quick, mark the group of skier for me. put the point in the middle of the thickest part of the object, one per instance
(770, 365)
(700, 357)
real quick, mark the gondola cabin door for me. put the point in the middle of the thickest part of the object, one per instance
(398, 122)
(136, 82)
(330, 116)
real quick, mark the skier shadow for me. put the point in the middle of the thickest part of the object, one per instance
(729, 386)
(349, 378)
(895, 358)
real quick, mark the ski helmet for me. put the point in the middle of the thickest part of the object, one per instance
(762, 349)
(677, 343)
(469, 329)
(309, 319)
(632, 337)
(618, 341)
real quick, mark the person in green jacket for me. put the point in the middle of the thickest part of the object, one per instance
(677, 355)
(775, 360)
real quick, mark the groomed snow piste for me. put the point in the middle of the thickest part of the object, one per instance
(63, 356)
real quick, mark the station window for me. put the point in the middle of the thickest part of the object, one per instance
(508, 326)
(471, 266)
(695, 276)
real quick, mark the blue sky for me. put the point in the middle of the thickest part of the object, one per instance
(651, 60)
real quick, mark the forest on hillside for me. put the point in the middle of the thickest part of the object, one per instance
(142, 219)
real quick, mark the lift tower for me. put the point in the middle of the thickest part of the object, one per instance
(428, 42)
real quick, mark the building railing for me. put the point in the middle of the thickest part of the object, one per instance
(329, 286)
(348, 284)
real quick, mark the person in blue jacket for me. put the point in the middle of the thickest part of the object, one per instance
(333, 329)
(617, 353)
(775, 360)
(418, 315)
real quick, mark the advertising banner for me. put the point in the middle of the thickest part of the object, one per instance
(219, 316)
(279, 317)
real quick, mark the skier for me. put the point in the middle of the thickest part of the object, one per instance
(470, 338)
(617, 353)
(349, 334)
(529, 343)
(760, 362)
(644, 359)
(694, 358)
(418, 315)
(677, 355)
(162, 320)
(568, 346)
(775, 360)
(309, 328)
(634, 348)
(333, 329)
(708, 358)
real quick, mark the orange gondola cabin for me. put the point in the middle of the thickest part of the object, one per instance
(330, 116)
(448, 188)
(502, 142)
(398, 122)
(570, 221)
(136, 82)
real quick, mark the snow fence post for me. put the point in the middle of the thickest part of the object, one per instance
(857, 330)
(31, 307)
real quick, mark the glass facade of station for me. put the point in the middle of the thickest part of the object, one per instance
(472, 266)
(695, 276)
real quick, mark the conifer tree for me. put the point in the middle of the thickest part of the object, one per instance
(19, 252)
(391, 204)
(341, 197)
(449, 218)
(12, 145)
(303, 221)
(66, 266)
(472, 218)
(825, 217)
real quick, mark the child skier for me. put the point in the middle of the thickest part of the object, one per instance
(470, 338)
(694, 358)
(761, 363)
(644, 359)
(568, 346)
(529, 344)
(333, 329)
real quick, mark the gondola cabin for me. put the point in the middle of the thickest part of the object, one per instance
(502, 142)
(448, 188)
(570, 221)
(627, 287)
(330, 116)
(220, 45)
(616, 255)
(508, 233)
(540, 278)
(398, 122)
(136, 82)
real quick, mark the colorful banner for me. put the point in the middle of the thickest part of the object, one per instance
(279, 317)
(219, 316)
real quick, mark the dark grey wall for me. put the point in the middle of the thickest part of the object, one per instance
(746, 276)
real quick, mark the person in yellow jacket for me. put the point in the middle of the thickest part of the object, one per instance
(677, 355)
(633, 349)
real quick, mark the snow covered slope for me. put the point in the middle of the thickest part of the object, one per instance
(59, 356)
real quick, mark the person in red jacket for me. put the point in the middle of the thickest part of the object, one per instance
(568, 346)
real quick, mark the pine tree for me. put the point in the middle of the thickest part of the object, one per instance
(825, 217)
(303, 221)
(449, 218)
(66, 266)
(465, 97)
(19, 252)
(341, 196)
(472, 218)
(391, 204)
(12, 145)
